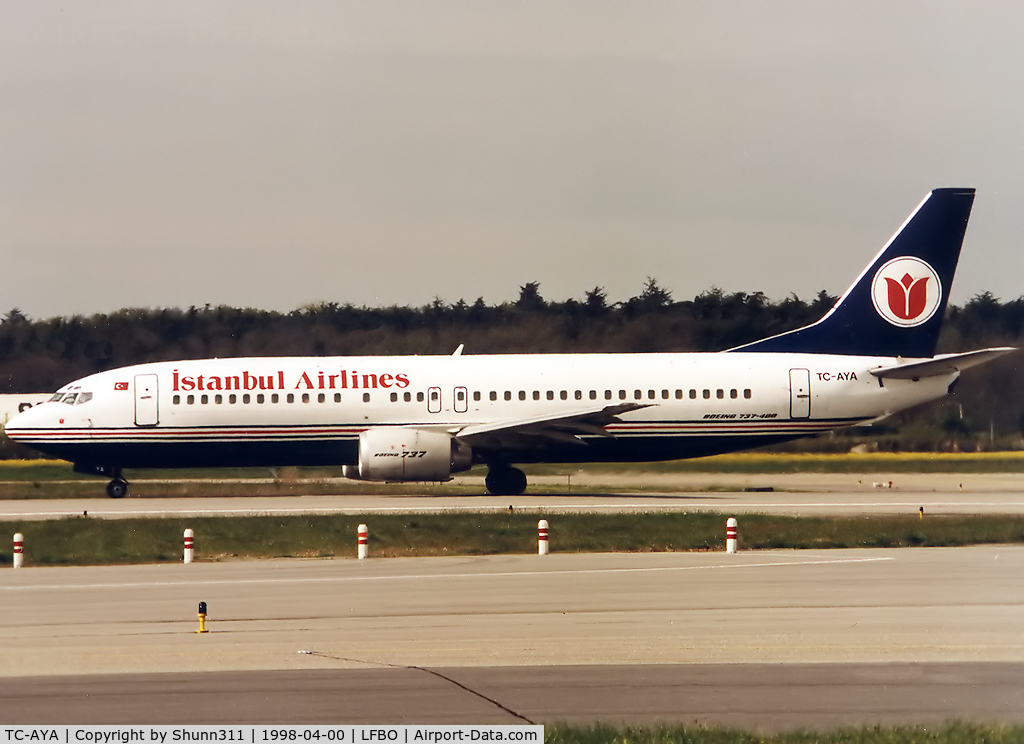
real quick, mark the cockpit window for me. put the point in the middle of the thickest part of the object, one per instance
(70, 398)
(84, 398)
(56, 397)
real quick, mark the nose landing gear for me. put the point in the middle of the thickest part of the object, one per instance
(118, 486)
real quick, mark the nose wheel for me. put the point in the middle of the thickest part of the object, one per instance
(505, 481)
(117, 488)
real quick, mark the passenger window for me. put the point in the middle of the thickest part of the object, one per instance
(650, 395)
(305, 398)
(218, 399)
(394, 397)
(579, 395)
(274, 398)
(321, 398)
(176, 400)
(232, 399)
(407, 397)
(679, 394)
(508, 395)
(522, 395)
(733, 393)
(260, 398)
(622, 395)
(366, 397)
(536, 394)
(190, 399)
(290, 398)
(607, 394)
(419, 397)
(204, 399)
(593, 395)
(720, 393)
(746, 393)
(493, 395)
(337, 397)
(476, 395)
(638, 394)
(551, 395)
(664, 394)
(707, 394)
(246, 398)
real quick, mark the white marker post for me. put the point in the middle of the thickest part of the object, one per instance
(19, 549)
(364, 541)
(190, 552)
(542, 537)
(731, 540)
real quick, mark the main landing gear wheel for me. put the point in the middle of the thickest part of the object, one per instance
(505, 481)
(117, 488)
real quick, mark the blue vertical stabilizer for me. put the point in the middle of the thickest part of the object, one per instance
(896, 306)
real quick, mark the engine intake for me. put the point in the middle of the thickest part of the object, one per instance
(409, 454)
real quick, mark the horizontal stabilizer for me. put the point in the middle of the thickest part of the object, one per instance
(944, 364)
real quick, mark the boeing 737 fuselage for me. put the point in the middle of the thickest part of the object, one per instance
(423, 418)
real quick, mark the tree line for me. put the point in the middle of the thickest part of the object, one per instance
(987, 410)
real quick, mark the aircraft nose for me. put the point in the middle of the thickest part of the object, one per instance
(22, 424)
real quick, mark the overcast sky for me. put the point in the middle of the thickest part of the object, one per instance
(276, 154)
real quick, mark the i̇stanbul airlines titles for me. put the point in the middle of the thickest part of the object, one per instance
(422, 418)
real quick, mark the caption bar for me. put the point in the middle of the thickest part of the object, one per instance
(269, 734)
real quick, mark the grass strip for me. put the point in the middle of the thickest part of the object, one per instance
(40, 479)
(949, 733)
(807, 462)
(96, 489)
(88, 541)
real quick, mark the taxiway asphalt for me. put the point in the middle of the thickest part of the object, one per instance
(765, 640)
(800, 493)
(821, 638)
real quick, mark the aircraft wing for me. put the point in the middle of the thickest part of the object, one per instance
(943, 364)
(527, 432)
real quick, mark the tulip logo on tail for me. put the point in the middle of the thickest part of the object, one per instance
(906, 292)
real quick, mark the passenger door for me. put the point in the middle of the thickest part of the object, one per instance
(799, 393)
(146, 409)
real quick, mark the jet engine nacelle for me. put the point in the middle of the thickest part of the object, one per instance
(408, 454)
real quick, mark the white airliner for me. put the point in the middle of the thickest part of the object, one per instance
(422, 418)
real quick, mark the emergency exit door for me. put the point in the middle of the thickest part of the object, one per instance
(461, 396)
(434, 400)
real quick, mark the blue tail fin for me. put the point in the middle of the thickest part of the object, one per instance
(896, 306)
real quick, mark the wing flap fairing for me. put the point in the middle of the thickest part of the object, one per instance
(561, 428)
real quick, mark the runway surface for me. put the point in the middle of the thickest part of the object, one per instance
(820, 638)
(800, 493)
(765, 697)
